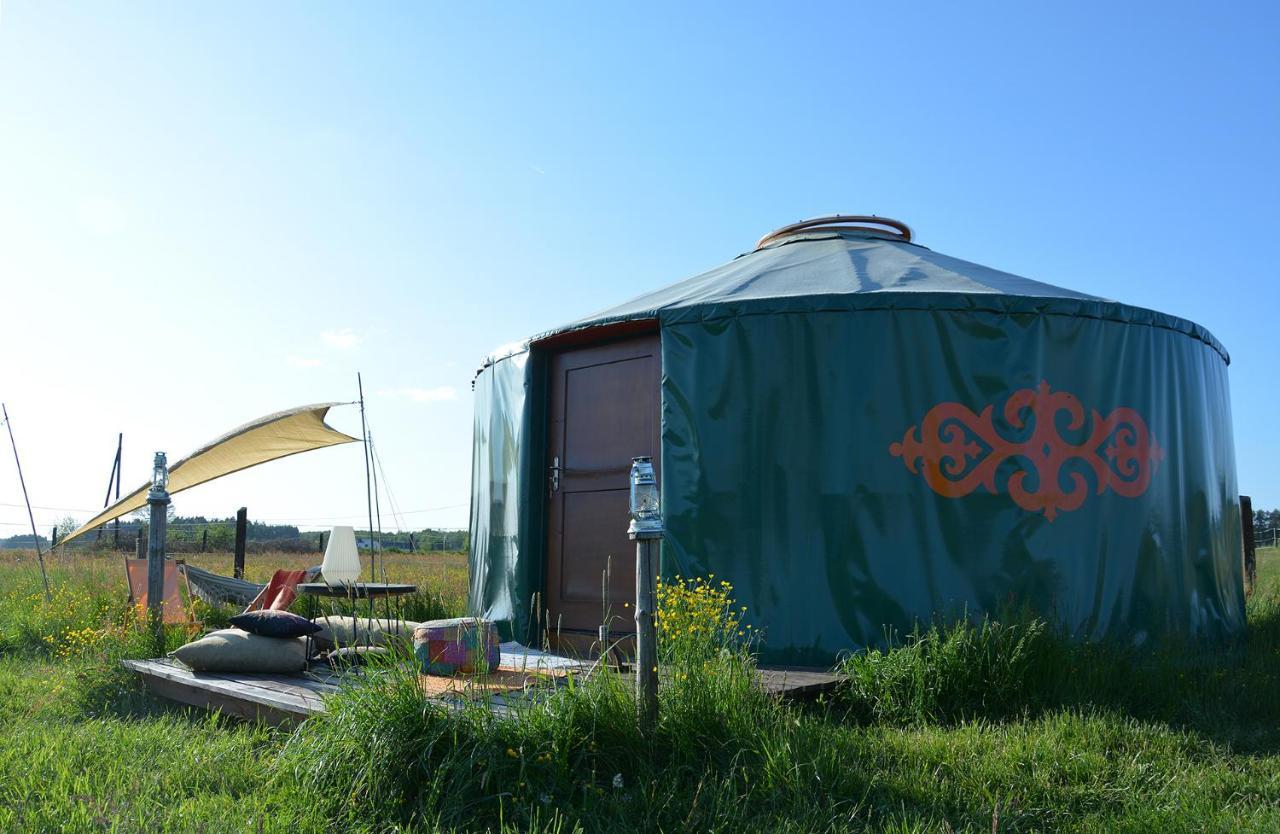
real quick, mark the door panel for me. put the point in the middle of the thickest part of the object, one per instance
(604, 410)
(595, 546)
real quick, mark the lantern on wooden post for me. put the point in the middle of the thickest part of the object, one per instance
(158, 499)
(645, 530)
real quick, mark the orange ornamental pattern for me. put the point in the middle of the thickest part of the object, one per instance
(961, 451)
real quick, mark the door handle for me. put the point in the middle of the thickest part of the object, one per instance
(555, 474)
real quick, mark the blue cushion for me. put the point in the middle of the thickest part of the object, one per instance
(274, 624)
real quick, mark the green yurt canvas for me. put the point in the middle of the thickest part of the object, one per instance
(859, 434)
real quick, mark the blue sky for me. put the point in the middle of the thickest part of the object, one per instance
(211, 212)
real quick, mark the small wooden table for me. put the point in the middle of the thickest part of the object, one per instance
(357, 590)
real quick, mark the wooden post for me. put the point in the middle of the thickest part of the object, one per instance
(159, 501)
(140, 545)
(204, 540)
(321, 545)
(646, 635)
(53, 537)
(242, 525)
(1250, 546)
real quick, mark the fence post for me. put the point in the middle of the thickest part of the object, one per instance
(53, 537)
(1250, 549)
(242, 523)
(204, 540)
(140, 545)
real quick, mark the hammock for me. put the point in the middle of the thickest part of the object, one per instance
(216, 589)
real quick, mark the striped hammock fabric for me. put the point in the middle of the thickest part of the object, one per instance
(216, 589)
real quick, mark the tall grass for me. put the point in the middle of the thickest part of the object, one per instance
(962, 726)
(991, 726)
(952, 672)
(575, 758)
(1022, 667)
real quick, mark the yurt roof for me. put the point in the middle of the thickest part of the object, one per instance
(846, 269)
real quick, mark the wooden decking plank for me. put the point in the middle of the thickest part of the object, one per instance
(210, 700)
(231, 704)
(793, 682)
(278, 683)
(257, 695)
(287, 702)
(266, 691)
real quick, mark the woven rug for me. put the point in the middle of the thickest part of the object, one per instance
(479, 686)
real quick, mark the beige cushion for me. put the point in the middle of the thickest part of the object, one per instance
(338, 630)
(233, 650)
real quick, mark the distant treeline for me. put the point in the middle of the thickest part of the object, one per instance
(1266, 520)
(185, 534)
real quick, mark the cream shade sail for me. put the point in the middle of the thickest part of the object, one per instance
(267, 438)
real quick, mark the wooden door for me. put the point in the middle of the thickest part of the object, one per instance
(604, 411)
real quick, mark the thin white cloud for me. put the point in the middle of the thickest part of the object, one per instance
(343, 339)
(302, 362)
(443, 393)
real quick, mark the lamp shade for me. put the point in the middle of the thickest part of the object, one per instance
(341, 565)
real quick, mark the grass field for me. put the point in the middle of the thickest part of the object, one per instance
(988, 728)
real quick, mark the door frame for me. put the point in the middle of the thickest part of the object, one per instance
(547, 350)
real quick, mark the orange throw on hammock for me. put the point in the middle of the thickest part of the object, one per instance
(172, 610)
(280, 592)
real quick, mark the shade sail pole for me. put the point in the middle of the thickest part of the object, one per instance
(35, 537)
(377, 512)
(368, 492)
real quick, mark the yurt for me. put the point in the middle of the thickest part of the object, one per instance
(861, 434)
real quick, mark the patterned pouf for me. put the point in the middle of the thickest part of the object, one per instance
(463, 644)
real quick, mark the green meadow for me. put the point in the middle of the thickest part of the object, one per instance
(985, 727)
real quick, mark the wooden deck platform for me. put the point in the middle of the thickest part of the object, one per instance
(289, 699)
(275, 699)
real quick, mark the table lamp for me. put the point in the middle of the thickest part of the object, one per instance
(341, 565)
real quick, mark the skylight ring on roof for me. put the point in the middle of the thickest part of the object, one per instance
(885, 226)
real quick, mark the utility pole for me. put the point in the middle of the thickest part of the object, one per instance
(119, 463)
(106, 501)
